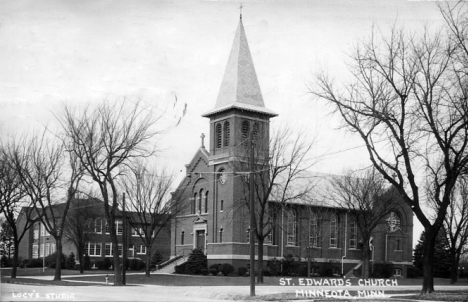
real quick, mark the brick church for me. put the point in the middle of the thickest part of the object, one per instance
(211, 191)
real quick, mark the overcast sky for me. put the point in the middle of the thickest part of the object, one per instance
(68, 51)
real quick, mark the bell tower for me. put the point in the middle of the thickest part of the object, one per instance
(239, 109)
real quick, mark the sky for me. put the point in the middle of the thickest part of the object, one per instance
(57, 52)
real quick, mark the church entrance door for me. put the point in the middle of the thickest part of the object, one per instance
(201, 240)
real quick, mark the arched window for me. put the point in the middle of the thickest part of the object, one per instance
(194, 203)
(292, 227)
(200, 199)
(206, 201)
(398, 245)
(218, 136)
(245, 132)
(221, 235)
(221, 206)
(333, 231)
(394, 222)
(314, 230)
(227, 134)
(255, 132)
(182, 235)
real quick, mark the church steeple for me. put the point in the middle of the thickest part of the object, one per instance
(240, 88)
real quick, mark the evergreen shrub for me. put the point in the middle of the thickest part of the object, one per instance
(226, 269)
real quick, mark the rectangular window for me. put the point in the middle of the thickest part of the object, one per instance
(107, 227)
(42, 228)
(108, 249)
(47, 249)
(98, 226)
(135, 232)
(221, 207)
(141, 249)
(182, 239)
(120, 249)
(41, 252)
(52, 247)
(119, 227)
(35, 251)
(94, 248)
(248, 235)
(353, 235)
(397, 272)
(314, 230)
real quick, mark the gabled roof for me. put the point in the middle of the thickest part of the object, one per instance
(240, 88)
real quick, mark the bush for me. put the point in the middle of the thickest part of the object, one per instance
(6, 262)
(326, 270)
(156, 258)
(181, 269)
(204, 272)
(303, 270)
(242, 271)
(413, 272)
(34, 262)
(71, 263)
(274, 266)
(382, 270)
(291, 266)
(226, 269)
(196, 262)
(103, 264)
(136, 264)
(50, 260)
(86, 262)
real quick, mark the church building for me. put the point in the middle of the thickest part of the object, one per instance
(215, 218)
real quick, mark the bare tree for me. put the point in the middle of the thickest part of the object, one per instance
(40, 164)
(81, 223)
(456, 226)
(368, 199)
(18, 213)
(105, 139)
(407, 101)
(149, 203)
(279, 166)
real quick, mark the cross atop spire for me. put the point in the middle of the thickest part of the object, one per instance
(240, 8)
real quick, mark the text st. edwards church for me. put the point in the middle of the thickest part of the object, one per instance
(210, 191)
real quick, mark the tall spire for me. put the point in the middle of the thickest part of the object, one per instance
(240, 88)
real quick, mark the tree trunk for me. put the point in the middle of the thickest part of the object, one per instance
(14, 269)
(454, 269)
(81, 259)
(365, 268)
(58, 260)
(148, 261)
(118, 278)
(260, 261)
(428, 259)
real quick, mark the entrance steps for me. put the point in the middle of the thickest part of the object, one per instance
(170, 268)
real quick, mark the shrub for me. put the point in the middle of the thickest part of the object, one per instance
(50, 260)
(413, 272)
(180, 269)
(71, 263)
(242, 271)
(34, 262)
(303, 270)
(156, 258)
(196, 262)
(6, 262)
(291, 266)
(326, 270)
(204, 272)
(108, 263)
(382, 270)
(86, 262)
(274, 266)
(136, 264)
(226, 269)
(103, 264)
(213, 271)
